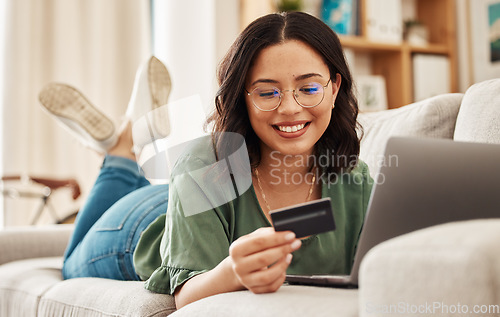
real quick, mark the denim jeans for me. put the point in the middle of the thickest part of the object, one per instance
(120, 206)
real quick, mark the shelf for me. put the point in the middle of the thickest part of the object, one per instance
(360, 44)
(429, 49)
(394, 61)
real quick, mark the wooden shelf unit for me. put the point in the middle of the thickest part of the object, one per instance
(394, 61)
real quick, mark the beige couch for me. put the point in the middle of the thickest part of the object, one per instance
(454, 265)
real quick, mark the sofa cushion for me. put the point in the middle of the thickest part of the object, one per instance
(35, 287)
(434, 117)
(104, 297)
(289, 300)
(22, 284)
(434, 271)
(479, 116)
(28, 242)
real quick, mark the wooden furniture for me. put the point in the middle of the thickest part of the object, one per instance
(49, 185)
(394, 61)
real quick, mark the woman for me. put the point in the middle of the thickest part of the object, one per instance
(286, 88)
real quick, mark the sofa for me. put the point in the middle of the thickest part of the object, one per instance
(440, 270)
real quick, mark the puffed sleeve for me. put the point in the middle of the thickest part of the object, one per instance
(198, 223)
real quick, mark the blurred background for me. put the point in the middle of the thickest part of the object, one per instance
(97, 46)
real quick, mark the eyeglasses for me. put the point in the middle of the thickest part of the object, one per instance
(268, 98)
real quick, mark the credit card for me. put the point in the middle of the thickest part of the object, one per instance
(305, 219)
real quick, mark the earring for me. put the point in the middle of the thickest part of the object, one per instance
(333, 106)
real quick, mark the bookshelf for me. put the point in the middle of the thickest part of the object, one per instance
(394, 61)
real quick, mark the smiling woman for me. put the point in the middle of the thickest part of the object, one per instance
(286, 88)
(285, 99)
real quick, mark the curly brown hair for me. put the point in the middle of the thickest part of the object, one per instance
(230, 114)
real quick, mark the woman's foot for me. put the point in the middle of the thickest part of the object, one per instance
(147, 106)
(75, 113)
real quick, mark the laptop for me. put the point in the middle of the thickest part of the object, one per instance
(423, 182)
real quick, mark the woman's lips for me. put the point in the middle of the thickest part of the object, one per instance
(291, 130)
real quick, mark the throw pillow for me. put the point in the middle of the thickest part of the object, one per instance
(479, 117)
(434, 117)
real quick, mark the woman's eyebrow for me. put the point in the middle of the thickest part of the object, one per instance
(306, 76)
(298, 78)
(264, 80)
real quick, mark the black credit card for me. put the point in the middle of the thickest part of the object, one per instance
(305, 219)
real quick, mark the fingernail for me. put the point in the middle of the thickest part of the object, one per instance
(296, 244)
(288, 258)
(290, 236)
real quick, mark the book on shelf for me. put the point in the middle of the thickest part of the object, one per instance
(341, 16)
(384, 21)
(431, 76)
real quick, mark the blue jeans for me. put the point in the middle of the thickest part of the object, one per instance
(120, 206)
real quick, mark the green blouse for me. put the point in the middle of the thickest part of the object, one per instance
(176, 247)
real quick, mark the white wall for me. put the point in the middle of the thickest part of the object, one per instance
(190, 37)
(227, 22)
(463, 46)
(3, 6)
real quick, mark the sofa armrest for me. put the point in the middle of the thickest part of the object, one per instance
(33, 242)
(450, 269)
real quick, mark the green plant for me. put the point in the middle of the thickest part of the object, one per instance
(412, 23)
(289, 5)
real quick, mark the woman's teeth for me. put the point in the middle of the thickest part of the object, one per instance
(291, 128)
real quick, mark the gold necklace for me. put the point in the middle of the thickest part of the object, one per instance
(264, 195)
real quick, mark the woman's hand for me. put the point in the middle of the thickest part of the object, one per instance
(260, 259)
(256, 261)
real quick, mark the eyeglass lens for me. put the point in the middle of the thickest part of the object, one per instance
(268, 98)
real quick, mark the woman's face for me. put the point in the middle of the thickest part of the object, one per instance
(290, 129)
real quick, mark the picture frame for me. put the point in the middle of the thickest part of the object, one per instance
(484, 39)
(371, 93)
(341, 16)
